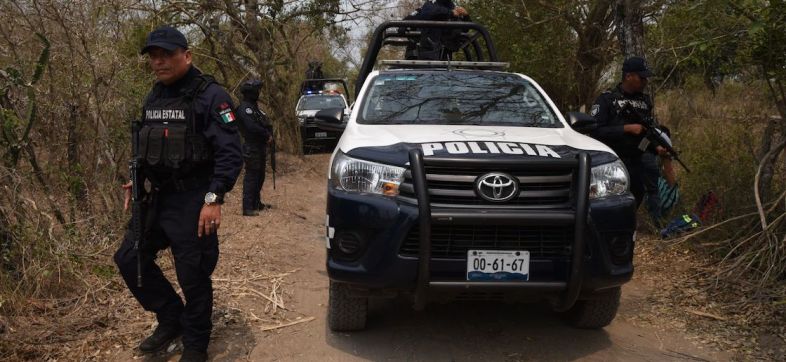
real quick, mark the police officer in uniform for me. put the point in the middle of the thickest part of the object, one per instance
(617, 128)
(257, 135)
(437, 44)
(191, 158)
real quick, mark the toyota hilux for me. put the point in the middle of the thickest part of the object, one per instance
(316, 95)
(458, 179)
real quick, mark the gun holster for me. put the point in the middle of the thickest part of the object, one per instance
(149, 212)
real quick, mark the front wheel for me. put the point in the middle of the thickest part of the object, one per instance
(345, 311)
(596, 312)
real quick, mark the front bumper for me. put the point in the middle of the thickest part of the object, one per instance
(379, 226)
(312, 135)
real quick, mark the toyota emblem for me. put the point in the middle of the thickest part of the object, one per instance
(497, 187)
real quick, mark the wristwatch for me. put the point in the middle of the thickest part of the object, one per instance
(213, 198)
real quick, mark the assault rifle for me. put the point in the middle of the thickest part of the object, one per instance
(652, 135)
(137, 194)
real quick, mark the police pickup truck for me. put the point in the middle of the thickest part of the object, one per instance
(316, 95)
(456, 179)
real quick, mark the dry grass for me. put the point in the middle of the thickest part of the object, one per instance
(730, 314)
(719, 136)
(729, 287)
(90, 315)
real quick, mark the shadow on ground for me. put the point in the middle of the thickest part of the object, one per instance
(467, 331)
(232, 339)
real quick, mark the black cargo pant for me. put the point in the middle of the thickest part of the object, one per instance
(255, 160)
(174, 225)
(644, 172)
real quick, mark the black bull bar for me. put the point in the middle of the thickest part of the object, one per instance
(578, 216)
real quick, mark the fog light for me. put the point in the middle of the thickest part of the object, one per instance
(348, 243)
(620, 247)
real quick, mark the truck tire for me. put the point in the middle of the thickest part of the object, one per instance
(596, 312)
(345, 311)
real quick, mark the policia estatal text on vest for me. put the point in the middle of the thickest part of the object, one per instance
(189, 149)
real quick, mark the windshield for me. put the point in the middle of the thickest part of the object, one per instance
(455, 97)
(320, 102)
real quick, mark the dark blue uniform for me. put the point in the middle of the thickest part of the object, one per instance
(642, 166)
(256, 130)
(190, 145)
(434, 10)
(436, 44)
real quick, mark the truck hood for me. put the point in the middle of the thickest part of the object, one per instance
(369, 135)
(313, 112)
(390, 143)
(307, 113)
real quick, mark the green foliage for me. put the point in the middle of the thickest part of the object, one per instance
(11, 123)
(696, 37)
(767, 31)
(535, 42)
(107, 272)
(43, 59)
(718, 39)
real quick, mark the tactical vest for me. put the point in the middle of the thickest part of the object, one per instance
(618, 102)
(170, 140)
(256, 116)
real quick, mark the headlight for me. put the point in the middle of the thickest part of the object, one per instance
(353, 175)
(608, 180)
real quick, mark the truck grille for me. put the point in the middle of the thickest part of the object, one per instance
(455, 186)
(453, 241)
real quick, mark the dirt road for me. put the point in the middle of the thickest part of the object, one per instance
(277, 260)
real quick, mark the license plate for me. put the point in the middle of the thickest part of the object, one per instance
(320, 134)
(494, 265)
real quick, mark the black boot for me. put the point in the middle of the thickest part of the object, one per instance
(161, 337)
(192, 355)
(250, 213)
(262, 206)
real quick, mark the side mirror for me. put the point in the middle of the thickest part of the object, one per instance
(581, 122)
(331, 119)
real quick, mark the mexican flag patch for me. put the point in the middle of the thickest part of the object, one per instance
(225, 111)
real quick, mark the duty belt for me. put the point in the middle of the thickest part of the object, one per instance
(184, 184)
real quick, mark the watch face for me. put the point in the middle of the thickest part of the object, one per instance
(210, 198)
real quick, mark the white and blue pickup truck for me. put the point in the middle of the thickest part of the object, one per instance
(323, 94)
(457, 179)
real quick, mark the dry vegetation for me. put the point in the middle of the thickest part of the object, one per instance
(720, 135)
(685, 293)
(71, 78)
(726, 283)
(98, 319)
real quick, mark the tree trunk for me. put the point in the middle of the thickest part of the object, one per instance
(592, 52)
(629, 19)
(76, 183)
(769, 137)
(39, 175)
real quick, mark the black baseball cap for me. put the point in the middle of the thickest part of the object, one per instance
(252, 83)
(636, 65)
(165, 37)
